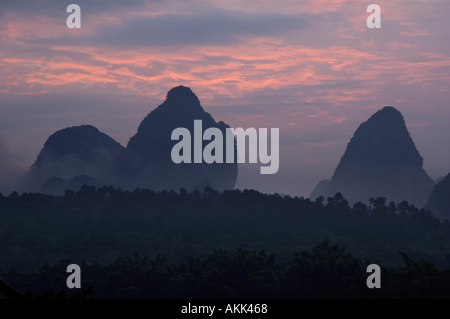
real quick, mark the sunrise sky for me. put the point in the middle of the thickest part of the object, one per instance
(313, 69)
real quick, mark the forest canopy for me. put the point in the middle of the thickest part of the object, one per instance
(103, 224)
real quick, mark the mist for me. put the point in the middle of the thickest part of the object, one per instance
(11, 166)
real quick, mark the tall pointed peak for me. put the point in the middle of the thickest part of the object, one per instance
(387, 115)
(181, 92)
(182, 97)
(152, 145)
(383, 139)
(381, 160)
(389, 109)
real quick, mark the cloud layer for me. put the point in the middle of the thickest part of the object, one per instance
(313, 69)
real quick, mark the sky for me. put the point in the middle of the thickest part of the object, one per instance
(313, 69)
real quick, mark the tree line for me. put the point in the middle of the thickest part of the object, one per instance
(103, 224)
(326, 271)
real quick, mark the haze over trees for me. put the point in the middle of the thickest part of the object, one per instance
(83, 153)
(381, 159)
(71, 152)
(209, 240)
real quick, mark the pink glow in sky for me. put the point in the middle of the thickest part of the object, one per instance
(311, 68)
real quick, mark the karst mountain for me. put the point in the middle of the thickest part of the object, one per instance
(381, 160)
(84, 154)
(150, 149)
(71, 152)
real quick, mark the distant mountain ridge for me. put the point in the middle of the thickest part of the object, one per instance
(74, 151)
(381, 160)
(439, 202)
(83, 153)
(58, 186)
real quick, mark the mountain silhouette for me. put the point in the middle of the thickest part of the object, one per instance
(439, 201)
(74, 151)
(57, 186)
(150, 149)
(82, 155)
(321, 189)
(381, 160)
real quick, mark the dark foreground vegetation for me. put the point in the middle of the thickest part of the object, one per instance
(325, 272)
(211, 243)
